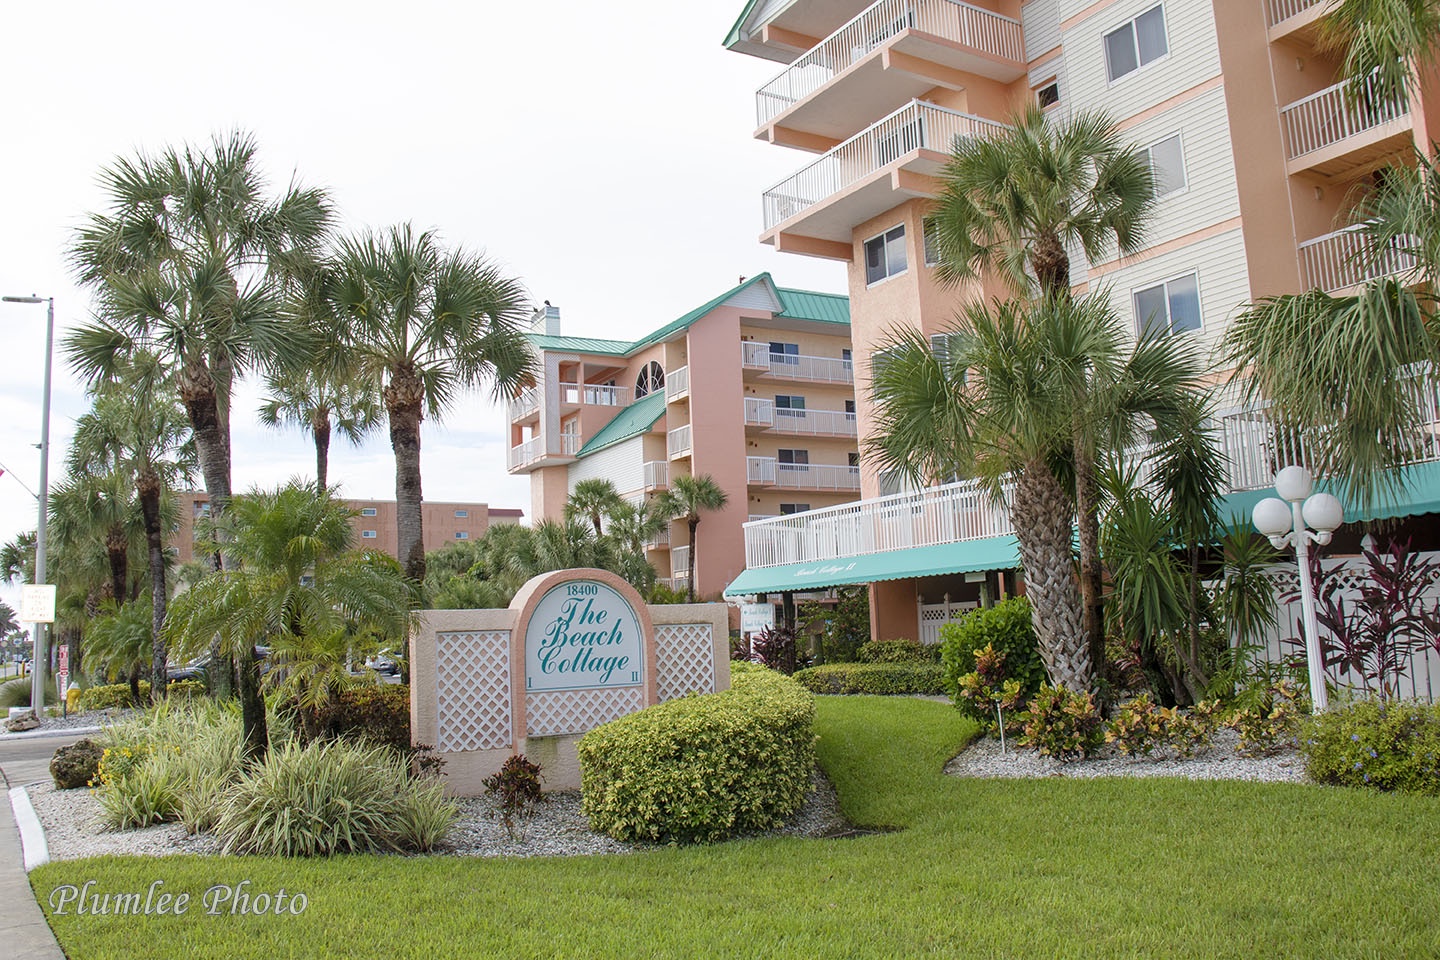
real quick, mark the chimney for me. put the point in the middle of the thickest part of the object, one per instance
(546, 320)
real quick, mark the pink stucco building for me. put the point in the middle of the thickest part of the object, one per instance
(755, 388)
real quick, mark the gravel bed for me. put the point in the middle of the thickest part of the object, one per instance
(1220, 762)
(557, 828)
(75, 721)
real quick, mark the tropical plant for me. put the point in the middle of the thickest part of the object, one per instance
(186, 263)
(425, 325)
(319, 403)
(632, 526)
(1383, 42)
(297, 587)
(687, 499)
(119, 644)
(596, 499)
(17, 559)
(8, 623)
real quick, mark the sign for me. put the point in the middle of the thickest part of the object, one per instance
(756, 617)
(64, 655)
(37, 603)
(583, 635)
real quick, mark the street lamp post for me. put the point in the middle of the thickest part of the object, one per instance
(1284, 522)
(42, 648)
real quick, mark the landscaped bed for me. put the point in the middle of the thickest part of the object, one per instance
(1045, 867)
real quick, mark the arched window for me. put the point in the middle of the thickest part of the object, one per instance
(652, 378)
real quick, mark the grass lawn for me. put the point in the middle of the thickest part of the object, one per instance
(1046, 868)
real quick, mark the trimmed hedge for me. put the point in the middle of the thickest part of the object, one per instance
(110, 695)
(379, 713)
(1007, 628)
(885, 679)
(1383, 746)
(897, 651)
(704, 767)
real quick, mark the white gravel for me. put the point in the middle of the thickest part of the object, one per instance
(1220, 762)
(76, 721)
(556, 828)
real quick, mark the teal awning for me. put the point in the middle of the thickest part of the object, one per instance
(1421, 494)
(994, 553)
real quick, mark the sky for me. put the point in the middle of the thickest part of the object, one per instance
(602, 153)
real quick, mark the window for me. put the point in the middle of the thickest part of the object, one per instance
(789, 406)
(1167, 164)
(1169, 307)
(849, 409)
(367, 511)
(367, 534)
(885, 255)
(846, 359)
(854, 460)
(651, 378)
(1136, 44)
(788, 508)
(202, 509)
(461, 535)
(1048, 95)
(932, 241)
(462, 513)
(797, 460)
(784, 352)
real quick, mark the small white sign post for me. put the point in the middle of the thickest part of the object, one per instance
(756, 618)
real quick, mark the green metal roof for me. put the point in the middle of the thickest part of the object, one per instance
(733, 36)
(634, 420)
(795, 305)
(993, 553)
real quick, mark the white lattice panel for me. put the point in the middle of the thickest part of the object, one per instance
(684, 659)
(473, 690)
(559, 712)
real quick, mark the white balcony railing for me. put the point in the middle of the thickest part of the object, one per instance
(915, 126)
(788, 366)
(759, 413)
(527, 452)
(1282, 10)
(680, 562)
(594, 394)
(1333, 115)
(814, 423)
(661, 538)
(817, 476)
(525, 403)
(677, 442)
(1346, 258)
(961, 23)
(570, 443)
(760, 470)
(677, 383)
(657, 474)
(760, 516)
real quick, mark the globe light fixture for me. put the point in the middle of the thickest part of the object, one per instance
(1285, 522)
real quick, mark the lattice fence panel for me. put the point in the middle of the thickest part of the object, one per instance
(684, 659)
(473, 690)
(560, 712)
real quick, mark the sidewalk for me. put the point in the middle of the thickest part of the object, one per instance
(23, 930)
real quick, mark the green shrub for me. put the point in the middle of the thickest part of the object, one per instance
(141, 793)
(110, 695)
(1386, 746)
(375, 714)
(1138, 727)
(1062, 724)
(329, 798)
(897, 651)
(1008, 629)
(1271, 721)
(16, 693)
(874, 678)
(516, 787)
(703, 767)
(990, 688)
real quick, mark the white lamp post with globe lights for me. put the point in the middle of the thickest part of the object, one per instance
(1285, 521)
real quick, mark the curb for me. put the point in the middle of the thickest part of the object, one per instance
(32, 834)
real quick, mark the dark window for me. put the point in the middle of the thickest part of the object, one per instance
(885, 255)
(1134, 44)
(793, 460)
(784, 352)
(1048, 95)
(788, 508)
(789, 406)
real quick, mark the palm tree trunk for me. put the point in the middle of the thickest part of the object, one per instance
(321, 430)
(403, 397)
(1092, 585)
(252, 703)
(694, 524)
(148, 489)
(117, 551)
(1041, 515)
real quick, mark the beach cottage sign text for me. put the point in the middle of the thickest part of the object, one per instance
(583, 634)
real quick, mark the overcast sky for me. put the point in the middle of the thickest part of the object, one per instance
(601, 152)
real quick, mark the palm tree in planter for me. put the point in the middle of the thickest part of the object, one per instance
(997, 403)
(687, 498)
(1015, 203)
(595, 499)
(426, 324)
(298, 588)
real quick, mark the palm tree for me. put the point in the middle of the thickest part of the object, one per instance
(595, 498)
(8, 623)
(632, 525)
(998, 403)
(17, 559)
(426, 325)
(311, 401)
(98, 514)
(138, 430)
(297, 586)
(1383, 42)
(186, 263)
(1016, 203)
(688, 498)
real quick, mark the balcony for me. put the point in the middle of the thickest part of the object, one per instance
(759, 413)
(1294, 19)
(760, 471)
(767, 472)
(593, 395)
(677, 442)
(525, 405)
(1330, 134)
(527, 453)
(532, 452)
(657, 540)
(893, 159)
(891, 53)
(814, 423)
(677, 384)
(1344, 259)
(657, 475)
(756, 358)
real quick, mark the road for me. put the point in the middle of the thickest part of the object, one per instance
(27, 760)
